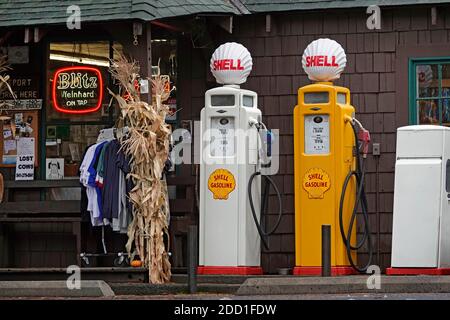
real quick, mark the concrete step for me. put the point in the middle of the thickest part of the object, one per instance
(136, 289)
(343, 285)
(88, 288)
(109, 274)
(219, 279)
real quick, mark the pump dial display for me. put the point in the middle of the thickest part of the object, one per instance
(222, 142)
(317, 134)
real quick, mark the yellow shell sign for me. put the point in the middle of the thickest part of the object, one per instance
(316, 182)
(221, 183)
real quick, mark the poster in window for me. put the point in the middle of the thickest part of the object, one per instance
(54, 168)
(25, 159)
(21, 124)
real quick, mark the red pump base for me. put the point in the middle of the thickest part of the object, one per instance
(241, 270)
(317, 271)
(417, 271)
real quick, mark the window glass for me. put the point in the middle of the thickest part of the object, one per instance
(427, 81)
(73, 54)
(342, 98)
(317, 97)
(428, 111)
(78, 78)
(164, 55)
(223, 100)
(432, 94)
(247, 101)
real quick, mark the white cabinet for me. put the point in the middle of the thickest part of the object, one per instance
(421, 224)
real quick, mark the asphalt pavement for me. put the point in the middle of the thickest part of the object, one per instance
(220, 297)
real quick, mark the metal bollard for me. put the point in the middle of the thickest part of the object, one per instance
(326, 250)
(192, 258)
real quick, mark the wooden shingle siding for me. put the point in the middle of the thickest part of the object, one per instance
(372, 74)
(283, 5)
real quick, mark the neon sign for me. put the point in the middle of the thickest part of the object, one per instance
(77, 90)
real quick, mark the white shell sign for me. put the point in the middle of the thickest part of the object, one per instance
(324, 60)
(231, 63)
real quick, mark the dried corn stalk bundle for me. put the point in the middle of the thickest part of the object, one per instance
(147, 144)
(4, 85)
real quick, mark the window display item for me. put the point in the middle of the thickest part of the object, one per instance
(54, 168)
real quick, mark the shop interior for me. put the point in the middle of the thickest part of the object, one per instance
(68, 82)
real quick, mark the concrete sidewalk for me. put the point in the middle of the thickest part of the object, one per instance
(240, 286)
(291, 285)
(88, 288)
(343, 285)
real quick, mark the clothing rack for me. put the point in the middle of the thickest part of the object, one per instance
(105, 135)
(121, 257)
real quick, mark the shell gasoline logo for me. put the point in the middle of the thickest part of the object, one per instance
(221, 183)
(316, 182)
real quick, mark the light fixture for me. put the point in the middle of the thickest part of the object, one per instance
(95, 62)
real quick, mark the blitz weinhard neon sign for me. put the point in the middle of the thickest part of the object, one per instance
(77, 89)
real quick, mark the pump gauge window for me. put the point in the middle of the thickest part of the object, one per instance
(223, 100)
(248, 101)
(222, 137)
(316, 97)
(317, 134)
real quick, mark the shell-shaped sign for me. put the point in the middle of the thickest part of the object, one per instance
(316, 182)
(231, 63)
(221, 183)
(324, 60)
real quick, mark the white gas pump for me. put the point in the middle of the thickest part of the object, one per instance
(230, 158)
(421, 222)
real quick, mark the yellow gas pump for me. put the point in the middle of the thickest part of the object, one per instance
(328, 168)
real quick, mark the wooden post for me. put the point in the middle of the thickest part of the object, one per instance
(143, 54)
(192, 258)
(326, 250)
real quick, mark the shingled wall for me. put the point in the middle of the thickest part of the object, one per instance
(377, 75)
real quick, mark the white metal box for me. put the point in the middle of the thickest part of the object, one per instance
(421, 221)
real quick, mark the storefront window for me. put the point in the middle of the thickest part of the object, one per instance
(78, 104)
(431, 94)
(164, 55)
(94, 55)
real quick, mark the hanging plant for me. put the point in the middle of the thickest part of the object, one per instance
(147, 145)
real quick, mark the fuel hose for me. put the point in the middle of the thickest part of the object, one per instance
(360, 201)
(264, 200)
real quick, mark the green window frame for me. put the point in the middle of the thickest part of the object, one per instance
(436, 63)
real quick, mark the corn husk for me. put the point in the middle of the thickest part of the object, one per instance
(4, 85)
(147, 145)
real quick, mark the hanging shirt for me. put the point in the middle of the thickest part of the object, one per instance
(123, 162)
(101, 167)
(87, 178)
(85, 214)
(111, 181)
(93, 175)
